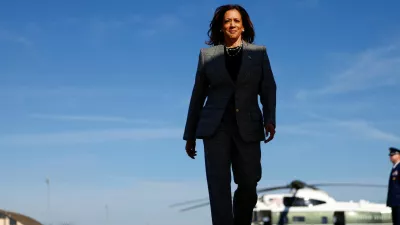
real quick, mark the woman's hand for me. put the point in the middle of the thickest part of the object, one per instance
(191, 148)
(269, 131)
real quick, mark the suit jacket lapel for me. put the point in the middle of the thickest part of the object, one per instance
(219, 57)
(246, 62)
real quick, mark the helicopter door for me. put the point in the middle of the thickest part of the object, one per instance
(338, 218)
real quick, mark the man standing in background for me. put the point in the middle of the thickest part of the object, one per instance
(393, 197)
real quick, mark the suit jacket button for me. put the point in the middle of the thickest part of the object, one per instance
(237, 110)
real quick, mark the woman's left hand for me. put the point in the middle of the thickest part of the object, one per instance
(269, 131)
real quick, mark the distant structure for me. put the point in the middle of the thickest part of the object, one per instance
(12, 218)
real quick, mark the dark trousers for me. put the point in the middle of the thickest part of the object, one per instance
(396, 215)
(223, 150)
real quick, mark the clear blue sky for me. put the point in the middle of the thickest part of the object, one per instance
(94, 95)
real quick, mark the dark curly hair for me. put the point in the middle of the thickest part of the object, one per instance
(217, 37)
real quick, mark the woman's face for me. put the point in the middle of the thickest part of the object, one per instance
(232, 25)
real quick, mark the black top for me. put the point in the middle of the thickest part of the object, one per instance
(233, 61)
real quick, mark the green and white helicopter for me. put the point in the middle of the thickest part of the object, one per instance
(307, 204)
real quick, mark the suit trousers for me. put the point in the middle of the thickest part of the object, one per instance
(396, 215)
(226, 149)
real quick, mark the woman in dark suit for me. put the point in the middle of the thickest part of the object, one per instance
(231, 75)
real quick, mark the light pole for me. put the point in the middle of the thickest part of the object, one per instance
(106, 214)
(48, 199)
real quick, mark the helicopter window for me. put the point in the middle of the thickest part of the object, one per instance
(297, 219)
(316, 202)
(295, 201)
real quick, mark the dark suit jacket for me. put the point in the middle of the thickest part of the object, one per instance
(393, 196)
(213, 83)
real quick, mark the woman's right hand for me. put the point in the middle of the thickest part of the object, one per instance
(191, 148)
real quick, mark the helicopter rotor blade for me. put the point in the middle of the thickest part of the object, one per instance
(205, 199)
(195, 207)
(272, 188)
(312, 187)
(316, 186)
(348, 184)
(207, 203)
(188, 202)
(296, 184)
